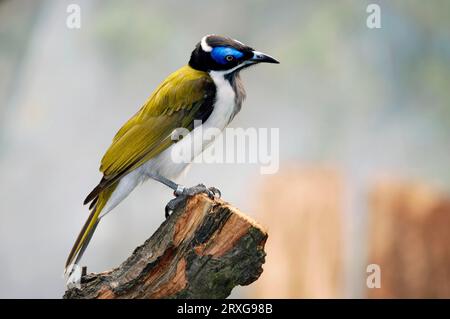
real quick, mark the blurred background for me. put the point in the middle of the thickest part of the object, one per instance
(364, 119)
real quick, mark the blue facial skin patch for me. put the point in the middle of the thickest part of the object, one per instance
(219, 54)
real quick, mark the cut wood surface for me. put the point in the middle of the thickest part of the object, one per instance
(203, 250)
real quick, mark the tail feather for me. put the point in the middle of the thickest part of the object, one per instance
(88, 229)
(81, 241)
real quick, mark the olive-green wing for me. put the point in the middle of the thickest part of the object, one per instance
(174, 104)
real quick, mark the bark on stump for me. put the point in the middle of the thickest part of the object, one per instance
(203, 250)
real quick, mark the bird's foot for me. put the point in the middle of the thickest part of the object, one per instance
(181, 193)
(212, 192)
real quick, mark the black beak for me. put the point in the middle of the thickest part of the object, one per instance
(259, 57)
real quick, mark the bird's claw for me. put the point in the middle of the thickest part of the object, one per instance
(173, 204)
(212, 192)
(182, 192)
(215, 192)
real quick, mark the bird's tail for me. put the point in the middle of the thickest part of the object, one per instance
(88, 230)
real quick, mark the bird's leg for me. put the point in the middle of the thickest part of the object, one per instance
(181, 192)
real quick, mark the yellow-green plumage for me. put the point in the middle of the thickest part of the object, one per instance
(172, 105)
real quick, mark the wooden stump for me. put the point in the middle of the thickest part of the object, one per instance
(203, 250)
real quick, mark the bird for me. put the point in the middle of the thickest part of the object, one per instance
(208, 90)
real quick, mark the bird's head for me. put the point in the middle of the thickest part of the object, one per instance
(219, 53)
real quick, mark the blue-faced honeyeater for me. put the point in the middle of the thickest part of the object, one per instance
(209, 90)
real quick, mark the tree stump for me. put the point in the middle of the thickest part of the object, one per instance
(203, 250)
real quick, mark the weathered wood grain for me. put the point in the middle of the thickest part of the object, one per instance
(203, 250)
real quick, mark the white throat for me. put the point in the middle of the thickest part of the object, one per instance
(225, 102)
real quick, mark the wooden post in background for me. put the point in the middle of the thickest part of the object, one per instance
(303, 209)
(410, 240)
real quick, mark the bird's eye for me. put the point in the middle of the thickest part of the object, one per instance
(229, 58)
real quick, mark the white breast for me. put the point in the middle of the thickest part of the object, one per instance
(225, 103)
(224, 108)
